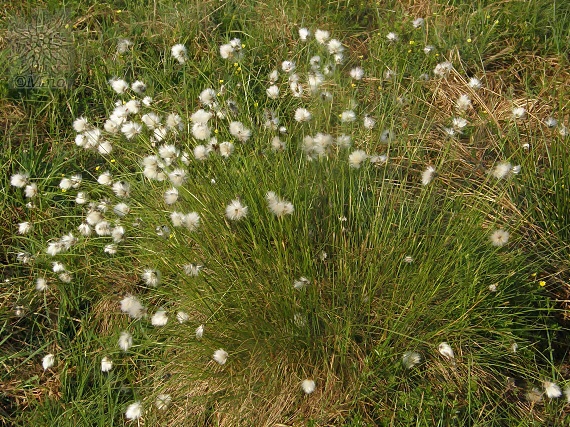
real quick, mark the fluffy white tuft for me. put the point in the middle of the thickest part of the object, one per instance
(500, 238)
(226, 149)
(106, 364)
(48, 361)
(220, 356)
(322, 36)
(110, 249)
(272, 92)
(125, 341)
(552, 390)
(31, 191)
(151, 277)
(207, 96)
(159, 318)
(475, 83)
(411, 359)
(277, 206)
(192, 270)
(392, 37)
(427, 175)
(446, 351)
(134, 411)
(133, 307)
(418, 22)
(41, 284)
(302, 115)
(192, 221)
(356, 158)
(24, 227)
(171, 196)
(357, 73)
(519, 113)
(19, 180)
(119, 85)
(288, 66)
(239, 131)
(308, 386)
(236, 210)
(443, 68)
(347, 116)
(121, 209)
(182, 317)
(463, 103)
(80, 124)
(199, 332)
(179, 53)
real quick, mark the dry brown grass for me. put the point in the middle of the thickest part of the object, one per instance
(419, 8)
(25, 384)
(263, 391)
(106, 313)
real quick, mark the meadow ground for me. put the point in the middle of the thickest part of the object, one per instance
(284, 213)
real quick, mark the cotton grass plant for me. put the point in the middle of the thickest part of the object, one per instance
(299, 236)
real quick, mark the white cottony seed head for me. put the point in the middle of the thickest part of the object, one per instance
(308, 386)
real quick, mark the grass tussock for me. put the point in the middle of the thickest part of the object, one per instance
(375, 235)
